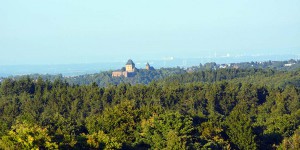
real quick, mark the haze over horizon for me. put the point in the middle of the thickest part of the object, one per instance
(74, 32)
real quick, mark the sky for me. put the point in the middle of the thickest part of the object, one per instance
(38, 32)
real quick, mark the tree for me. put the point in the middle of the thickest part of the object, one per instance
(119, 121)
(27, 136)
(213, 134)
(292, 142)
(170, 131)
(240, 130)
(100, 140)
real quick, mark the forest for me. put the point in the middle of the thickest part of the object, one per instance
(205, 109)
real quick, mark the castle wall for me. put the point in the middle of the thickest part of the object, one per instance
(117, 73)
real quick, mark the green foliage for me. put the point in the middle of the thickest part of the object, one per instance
(212, 109)
(119, 121)
(213, 136)
(100, 140)
(240, 130)
(169, 131)
(291, 142)
(27, 136)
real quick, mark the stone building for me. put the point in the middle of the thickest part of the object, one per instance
(119, 73)
(129, 70)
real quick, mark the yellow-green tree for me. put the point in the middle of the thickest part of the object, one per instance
(118, 121)
(292, 142)
(100, 140)
(27, 136)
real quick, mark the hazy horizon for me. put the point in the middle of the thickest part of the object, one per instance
(167, 62)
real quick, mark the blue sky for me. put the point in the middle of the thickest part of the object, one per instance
(91, 31)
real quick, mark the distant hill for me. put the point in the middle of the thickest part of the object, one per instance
(167, 62)
(105, 78)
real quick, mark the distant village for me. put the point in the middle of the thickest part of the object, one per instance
(129, 70)
(277, 65)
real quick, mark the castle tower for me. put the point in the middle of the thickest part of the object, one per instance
(130, 66)
(147, 66)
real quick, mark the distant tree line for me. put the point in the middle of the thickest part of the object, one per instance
(105, 78)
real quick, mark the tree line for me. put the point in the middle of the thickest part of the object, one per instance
(206, 70)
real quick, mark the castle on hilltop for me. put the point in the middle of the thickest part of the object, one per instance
(129, 70)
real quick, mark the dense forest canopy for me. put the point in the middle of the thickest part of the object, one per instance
(204, 109)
